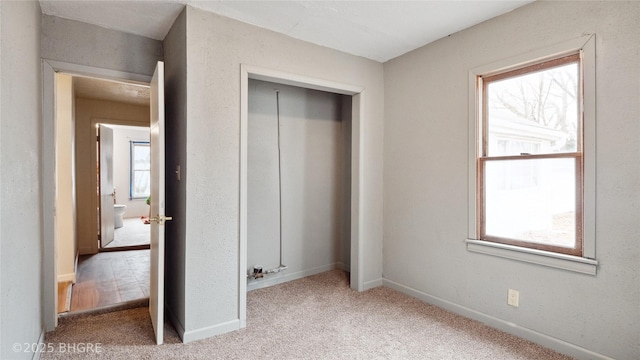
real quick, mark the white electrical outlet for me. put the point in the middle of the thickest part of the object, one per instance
(513, 297)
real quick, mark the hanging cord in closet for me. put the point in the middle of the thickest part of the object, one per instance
(258, 272)
(281, 267)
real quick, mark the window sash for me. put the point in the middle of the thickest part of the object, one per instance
(484, 82)
(579, 201)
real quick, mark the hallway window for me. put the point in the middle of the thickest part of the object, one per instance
(140, 174)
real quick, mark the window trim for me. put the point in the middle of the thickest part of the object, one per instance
(132, 145)
(585, 263)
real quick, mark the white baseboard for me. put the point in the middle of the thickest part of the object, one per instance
(209, 331)
(508, 327)
(372, 284)
(284, 276)
(67, 277)
(188, 336)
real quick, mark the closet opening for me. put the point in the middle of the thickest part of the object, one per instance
(299, 183)
(301, 201)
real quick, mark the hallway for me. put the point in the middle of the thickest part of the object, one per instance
(110, 278)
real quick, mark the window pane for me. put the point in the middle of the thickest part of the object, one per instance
(140, 169)
(531, 200)
(534, 113)
(141, 183)
(141, 157)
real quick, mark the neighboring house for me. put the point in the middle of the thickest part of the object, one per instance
(415, 174)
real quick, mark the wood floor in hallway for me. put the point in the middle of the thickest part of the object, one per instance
(110, 278)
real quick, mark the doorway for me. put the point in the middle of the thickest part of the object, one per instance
(85, 245)
(124, 166)
(298, 195)
(102, 112)
(357, 95)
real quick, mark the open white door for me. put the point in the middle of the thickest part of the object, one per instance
(156, 291)
(107, 193)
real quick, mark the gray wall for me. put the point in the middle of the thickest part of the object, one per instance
(313, 153)
(345, 216)
(216, 47)
(175, 54)
(20, 191)
(425, 181)
(84, 44)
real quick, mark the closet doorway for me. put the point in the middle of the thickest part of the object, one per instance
(352, 104)
(299, 177)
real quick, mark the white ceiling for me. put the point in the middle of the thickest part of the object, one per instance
(377, 30)
(90, 88)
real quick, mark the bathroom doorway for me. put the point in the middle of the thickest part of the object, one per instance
(123, 179)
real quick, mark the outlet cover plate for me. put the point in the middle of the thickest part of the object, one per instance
(513, 298)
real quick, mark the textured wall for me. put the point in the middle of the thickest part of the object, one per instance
(425, 179)
(175, 70)
(84, 44)
(313, 150)
(216, 47)
(20, 198)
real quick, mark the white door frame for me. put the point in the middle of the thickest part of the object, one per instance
(48, 180)
(95, 202)
(357, 162)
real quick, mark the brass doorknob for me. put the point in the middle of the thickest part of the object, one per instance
(160, 219)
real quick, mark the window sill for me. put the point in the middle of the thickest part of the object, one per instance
(539, 257)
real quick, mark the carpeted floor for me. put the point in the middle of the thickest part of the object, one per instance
(317, 317)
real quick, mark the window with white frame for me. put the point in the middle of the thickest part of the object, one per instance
(140, 174)
(533, 186)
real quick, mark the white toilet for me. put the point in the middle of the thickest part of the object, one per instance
(118, 211)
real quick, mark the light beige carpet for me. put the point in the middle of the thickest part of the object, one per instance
(317, 317)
